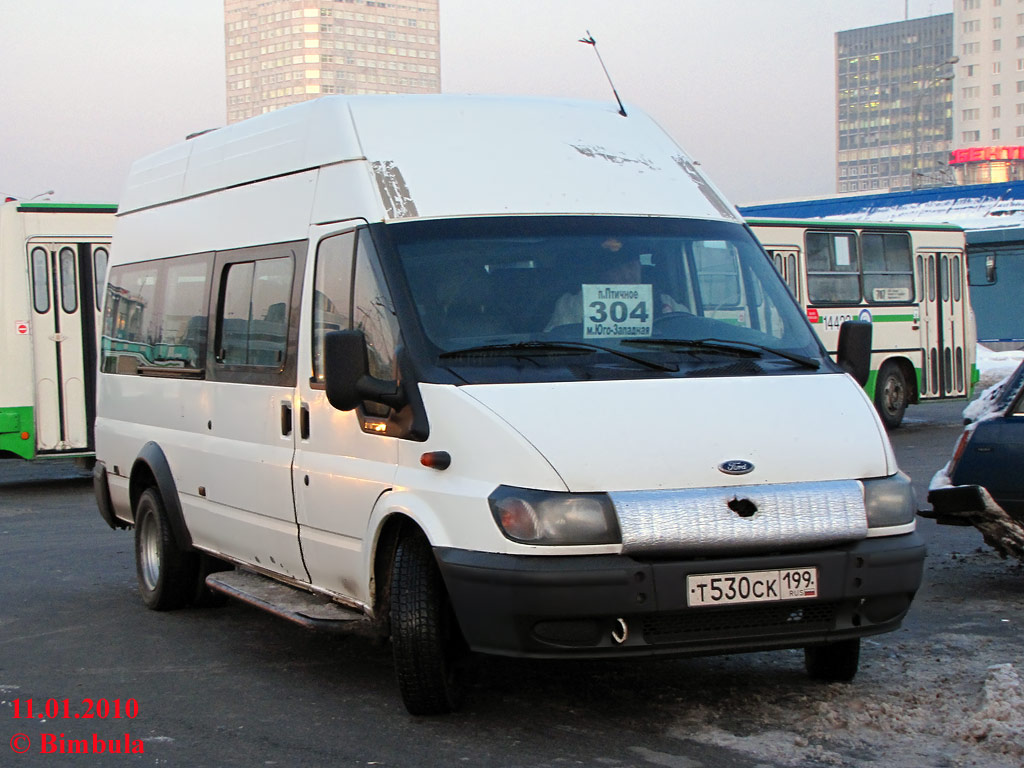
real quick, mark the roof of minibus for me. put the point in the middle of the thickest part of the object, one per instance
(434, 156)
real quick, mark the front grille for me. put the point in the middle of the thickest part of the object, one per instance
(747, 621)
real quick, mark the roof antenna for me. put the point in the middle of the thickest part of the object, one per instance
(589, 40)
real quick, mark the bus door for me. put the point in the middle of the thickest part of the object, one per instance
(943, 326)
(785, 261)
(63, 279)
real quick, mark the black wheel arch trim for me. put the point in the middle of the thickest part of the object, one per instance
(153, 458)
(102, 492)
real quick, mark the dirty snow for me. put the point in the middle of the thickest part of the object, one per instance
(952, 701)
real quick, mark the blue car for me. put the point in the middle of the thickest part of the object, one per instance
(983, 483)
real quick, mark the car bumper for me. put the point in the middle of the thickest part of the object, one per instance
(614, 605)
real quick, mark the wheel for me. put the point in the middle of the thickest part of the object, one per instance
(892, 394)
(428, 647)
(167, 575)
(834, 663)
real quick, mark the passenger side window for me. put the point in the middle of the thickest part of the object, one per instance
(332, 289)
(154, 316)
(833, 271)
(374, 315)
(253, 325)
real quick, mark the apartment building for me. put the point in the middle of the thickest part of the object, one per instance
(989, 113)
(280, 52)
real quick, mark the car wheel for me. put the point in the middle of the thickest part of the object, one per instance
(167, 575)
(428, 648)
(892, 394)
(834, 663)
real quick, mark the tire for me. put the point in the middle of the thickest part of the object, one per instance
(428, 647)
(834, 663)
(167, 575)
(892, 394)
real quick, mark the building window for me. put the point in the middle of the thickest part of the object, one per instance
(997, 89)
(973, 91)
(997, 111)
(995, 134)
(970, 114)
(997, 45)
(971, 136)
(968, 49)
(997, 67)
(970, 69)
(997, 22)
(972, 26)
(1020, 131)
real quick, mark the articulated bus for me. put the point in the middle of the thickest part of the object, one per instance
(908, 280)
(53, 262)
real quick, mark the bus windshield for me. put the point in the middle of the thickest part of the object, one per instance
(656, 293)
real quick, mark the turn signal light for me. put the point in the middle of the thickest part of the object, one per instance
(436, 459)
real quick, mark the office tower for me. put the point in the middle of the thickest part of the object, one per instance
(894, 100)
(280, 52)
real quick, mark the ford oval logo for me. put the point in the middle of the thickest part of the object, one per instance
(736, 467)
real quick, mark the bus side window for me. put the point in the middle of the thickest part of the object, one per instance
(888, 267)
(332, 287)
(833, 271)
(100, 257)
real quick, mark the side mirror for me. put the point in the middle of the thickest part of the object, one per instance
(347, 374)
(854, 353)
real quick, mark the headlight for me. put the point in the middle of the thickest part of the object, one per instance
(889, 501)
(550, 518)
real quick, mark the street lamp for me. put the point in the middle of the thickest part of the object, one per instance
(918, 98)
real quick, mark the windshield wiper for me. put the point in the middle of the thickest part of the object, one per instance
(741, 348)
(564, 347)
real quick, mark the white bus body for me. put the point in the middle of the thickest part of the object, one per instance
(908, 280)
(492, 374)
(53, 258)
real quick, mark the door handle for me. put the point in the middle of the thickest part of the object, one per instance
(304, 422)
(286, 418)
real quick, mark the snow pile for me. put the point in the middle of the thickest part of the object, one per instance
(994, 369)
(1000, 721)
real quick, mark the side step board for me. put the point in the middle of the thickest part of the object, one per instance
(304, 608)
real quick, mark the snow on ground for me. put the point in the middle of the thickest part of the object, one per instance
(955, 700)
(996, 366)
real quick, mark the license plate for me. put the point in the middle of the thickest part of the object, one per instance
(751, 586)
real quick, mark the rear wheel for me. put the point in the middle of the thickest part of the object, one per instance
(428, 647)
(167, 574)
(834, 663)
(892, 394)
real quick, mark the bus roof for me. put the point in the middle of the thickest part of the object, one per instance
(853, 224)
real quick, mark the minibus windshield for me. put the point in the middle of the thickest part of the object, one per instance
(657, 293)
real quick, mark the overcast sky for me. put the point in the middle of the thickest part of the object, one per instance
(746, 86)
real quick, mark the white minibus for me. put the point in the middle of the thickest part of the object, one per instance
(488, 375)
(53, 260)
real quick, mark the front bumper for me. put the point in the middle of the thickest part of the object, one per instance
(614, 605)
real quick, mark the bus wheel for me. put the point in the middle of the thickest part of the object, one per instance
(166, 574)
(892, 394)
(428, 647)
(834, 663)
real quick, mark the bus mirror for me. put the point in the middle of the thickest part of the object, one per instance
(347, 374)
(854, 353)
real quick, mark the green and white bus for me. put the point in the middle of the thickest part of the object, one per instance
(53, 262)
(908, 280)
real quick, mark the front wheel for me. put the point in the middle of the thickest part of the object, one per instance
(892, 394)
(428, 647)
(167, 574)
(834, 663)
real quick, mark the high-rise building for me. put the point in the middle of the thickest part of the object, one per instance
(280, 52)
(894, 99)
(989, 115)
